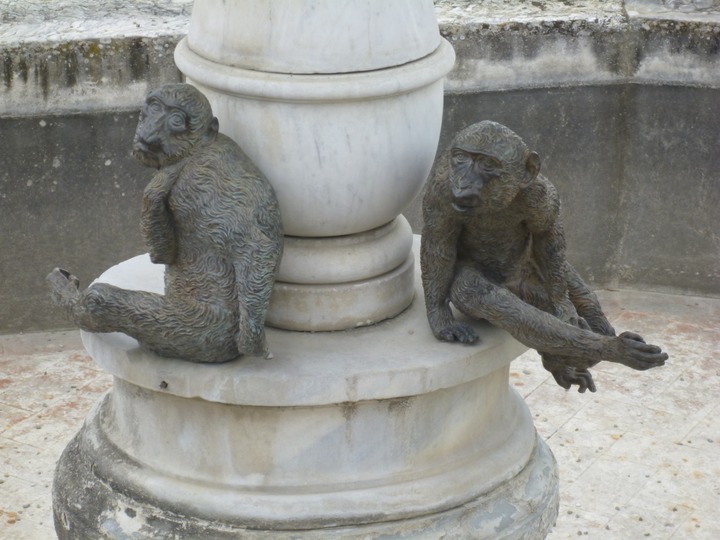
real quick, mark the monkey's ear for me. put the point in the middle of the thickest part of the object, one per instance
(214, 126)
(532, 168)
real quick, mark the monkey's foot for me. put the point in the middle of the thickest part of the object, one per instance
(64, 289)
(457, 331)
(567, 376)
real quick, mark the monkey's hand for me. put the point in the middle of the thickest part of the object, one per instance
(566, 375)
(630, 349)
(252, 343)
(456, 331)
(157, 222)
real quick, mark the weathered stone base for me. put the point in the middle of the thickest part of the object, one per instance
(90, 502)
(377, 432)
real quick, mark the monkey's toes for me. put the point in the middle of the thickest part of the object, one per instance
(60, 279)
(64, 288)
(566, 377)
(458, 331)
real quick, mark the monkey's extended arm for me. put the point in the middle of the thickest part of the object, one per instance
(474, 295)
(438, 254)
(548, 248)
(156, 218)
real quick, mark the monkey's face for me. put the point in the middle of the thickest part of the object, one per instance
(482, 182)
(163, 134)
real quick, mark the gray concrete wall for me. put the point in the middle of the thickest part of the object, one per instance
(69, 196)
(621, 100)
(638, 171)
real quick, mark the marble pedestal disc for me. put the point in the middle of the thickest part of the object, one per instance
(378, 432)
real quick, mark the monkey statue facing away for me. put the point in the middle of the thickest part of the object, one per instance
(212, 218)
(494, 246)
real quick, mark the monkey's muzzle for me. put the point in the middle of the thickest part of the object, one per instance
(465, 204)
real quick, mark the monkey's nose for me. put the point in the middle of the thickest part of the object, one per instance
(148, 145)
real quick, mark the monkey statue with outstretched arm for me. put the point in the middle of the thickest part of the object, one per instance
(494, 247)
(212, 218)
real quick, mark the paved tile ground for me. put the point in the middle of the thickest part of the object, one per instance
(638, 459)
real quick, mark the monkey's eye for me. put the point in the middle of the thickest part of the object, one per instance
(461, 158)
(491, 166)
(177, 121)
(154, 106)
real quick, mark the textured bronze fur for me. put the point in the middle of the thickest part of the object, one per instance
(494, 246)
(211, 217)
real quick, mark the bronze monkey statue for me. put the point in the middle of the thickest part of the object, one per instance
(494, 246)
(211, 217)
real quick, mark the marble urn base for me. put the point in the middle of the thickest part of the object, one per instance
(377, 432)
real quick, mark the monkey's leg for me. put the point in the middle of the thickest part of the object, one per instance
(477, 297)
(189, 330)
(566, 370)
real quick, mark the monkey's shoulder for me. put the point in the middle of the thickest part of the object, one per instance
(223, 163)
(222, 153)
(539, 192)
(539, 199)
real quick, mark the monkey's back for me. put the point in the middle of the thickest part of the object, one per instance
(226, 195)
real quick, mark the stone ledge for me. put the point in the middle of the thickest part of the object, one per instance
(73, 56)
(514, 44)
(70, 56)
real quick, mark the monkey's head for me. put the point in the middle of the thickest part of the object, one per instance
(174, 119)
(489, 166)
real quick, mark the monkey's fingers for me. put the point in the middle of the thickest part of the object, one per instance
(640, 355)
(458, 331)
(651, 361)
(584, 380)
(633, 336)
(641, 346)
(562, 378)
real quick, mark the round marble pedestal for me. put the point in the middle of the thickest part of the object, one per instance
(376, 432)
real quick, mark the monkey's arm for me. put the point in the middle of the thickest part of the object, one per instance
(253, 296)
(548, 248)
(549, 255)
(438, 254)
(255, 261)
(482, 299)
(156, 218)
(586, 303)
